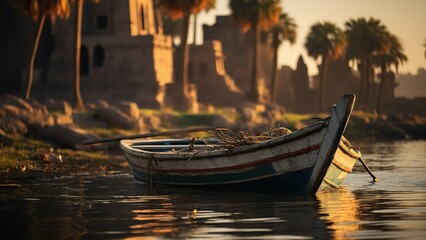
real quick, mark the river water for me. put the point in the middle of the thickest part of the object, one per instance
(114, 207)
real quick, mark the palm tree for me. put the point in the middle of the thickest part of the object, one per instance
(285, 30)
(38, 10)
(184, 9)
(365, 38)
(256, 15)
(327, 41)
(394, 56)
(78, 15)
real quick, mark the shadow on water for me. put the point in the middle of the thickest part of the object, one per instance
(114, 207)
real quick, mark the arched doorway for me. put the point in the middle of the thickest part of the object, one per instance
(84, 61)
(98, 56)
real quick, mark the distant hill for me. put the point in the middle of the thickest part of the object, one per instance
(410, 85)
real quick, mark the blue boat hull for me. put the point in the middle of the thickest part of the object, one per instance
(260, 179)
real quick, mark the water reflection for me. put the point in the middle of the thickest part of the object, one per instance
(86, 209)
(225, 215)
(115, 207)
(105, 208)
(340, 209)
(156, 220)
(394, 155)
(42, 214)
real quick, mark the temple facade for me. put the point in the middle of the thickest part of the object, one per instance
(124, 54)
(207, 71)
(238, 51)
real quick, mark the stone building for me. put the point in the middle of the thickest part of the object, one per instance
(124, 54)
(294, 89)
(285, 92)
(206, 70)
(340, 79)
(238, 50)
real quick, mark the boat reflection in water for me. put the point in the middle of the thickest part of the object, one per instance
(87, 210)
(341, 210)
(224, 215)
(157, 221)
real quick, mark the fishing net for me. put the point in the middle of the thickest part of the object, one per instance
(229, 139)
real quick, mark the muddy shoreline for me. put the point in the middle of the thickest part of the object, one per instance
(28, 160)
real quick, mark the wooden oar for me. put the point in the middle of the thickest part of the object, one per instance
(154, 134)
(375, 179)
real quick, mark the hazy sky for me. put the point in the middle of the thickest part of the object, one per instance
(404, 18)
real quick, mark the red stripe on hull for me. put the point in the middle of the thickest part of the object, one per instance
(245, 165)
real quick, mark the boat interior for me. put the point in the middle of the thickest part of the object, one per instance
(166, 145)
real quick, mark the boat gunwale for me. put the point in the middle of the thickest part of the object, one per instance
(294, 136)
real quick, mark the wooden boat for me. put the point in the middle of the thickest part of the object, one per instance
(310, 160)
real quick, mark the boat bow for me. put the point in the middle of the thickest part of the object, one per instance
(336, 127)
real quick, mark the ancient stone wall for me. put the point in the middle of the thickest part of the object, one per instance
(117, 61)
(238, 51)
(207, 71)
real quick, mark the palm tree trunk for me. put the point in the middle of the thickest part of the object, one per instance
(77, 99)
(361, 92)
(364, 82)
(182, 64)
(26, 92)
(368, 84)
(253, 94)
(274, 73)
(195, 29)
(181, 93)
(382, 88)
(322, 83)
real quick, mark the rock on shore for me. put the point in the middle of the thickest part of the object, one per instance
(57, 123)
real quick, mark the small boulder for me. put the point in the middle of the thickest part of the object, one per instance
(13, 126)
(114, 117)
(220, 121)
(65, 136)
(152, 121)
(63, 120)
(247, 111)
(3, 112)
(130, 108)
(40, 108)
(18, 102)
(62, 107)
(86, 119)
(11, 110)
(101, 103)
